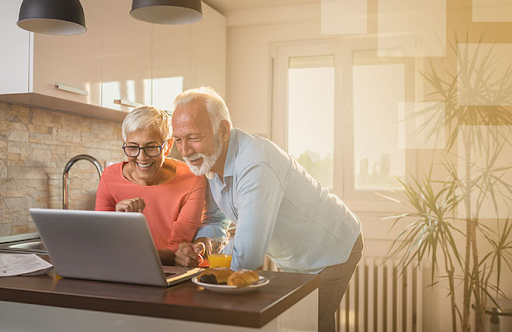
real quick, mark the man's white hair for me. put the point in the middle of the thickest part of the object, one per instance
(215, 105)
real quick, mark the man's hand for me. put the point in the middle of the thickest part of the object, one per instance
(131, 205)
(189, 254)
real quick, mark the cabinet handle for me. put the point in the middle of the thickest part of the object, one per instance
(72, 89)
(125, 102)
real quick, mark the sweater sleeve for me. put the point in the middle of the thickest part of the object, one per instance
(189, 217)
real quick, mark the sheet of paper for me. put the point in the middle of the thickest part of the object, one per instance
(23, 265)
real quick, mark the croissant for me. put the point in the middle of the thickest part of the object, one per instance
(215, 276)
(243, 278)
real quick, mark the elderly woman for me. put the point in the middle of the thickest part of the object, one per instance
(163, 189)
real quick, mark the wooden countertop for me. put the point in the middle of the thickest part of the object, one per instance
(185, 301)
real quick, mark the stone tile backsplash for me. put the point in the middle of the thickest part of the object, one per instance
(35, 145)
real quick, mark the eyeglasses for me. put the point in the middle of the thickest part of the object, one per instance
(150, 151)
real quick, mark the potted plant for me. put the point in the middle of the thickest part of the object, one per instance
(465, 105)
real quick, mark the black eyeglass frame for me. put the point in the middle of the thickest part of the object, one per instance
(144, 148)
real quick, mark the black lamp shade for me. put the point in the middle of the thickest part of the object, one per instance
(52, 17)
(167, 11)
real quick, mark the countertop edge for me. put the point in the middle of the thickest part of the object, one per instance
(157, 310)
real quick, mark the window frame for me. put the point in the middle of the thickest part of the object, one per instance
(343, 154)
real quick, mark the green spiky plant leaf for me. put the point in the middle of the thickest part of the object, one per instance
(477, 134)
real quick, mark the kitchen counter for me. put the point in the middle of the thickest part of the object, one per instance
(179, 304)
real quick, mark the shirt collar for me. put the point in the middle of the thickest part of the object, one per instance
(229, 165)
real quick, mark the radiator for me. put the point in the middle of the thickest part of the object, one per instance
(382, 298)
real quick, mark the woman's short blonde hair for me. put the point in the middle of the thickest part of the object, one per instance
(145, 117)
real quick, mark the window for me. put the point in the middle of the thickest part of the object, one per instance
(311, 115)
(336, 109)
(378, 90)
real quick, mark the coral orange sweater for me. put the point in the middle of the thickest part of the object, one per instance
(173, 210)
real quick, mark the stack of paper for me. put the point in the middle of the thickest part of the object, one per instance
(23, 265)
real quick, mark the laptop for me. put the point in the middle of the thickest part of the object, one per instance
(105, 246)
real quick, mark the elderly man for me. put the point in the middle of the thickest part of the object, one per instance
(278, 208)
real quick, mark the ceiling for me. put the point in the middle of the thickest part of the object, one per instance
(224, 6)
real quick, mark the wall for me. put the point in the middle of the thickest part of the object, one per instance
(249, 37)
(35, 145)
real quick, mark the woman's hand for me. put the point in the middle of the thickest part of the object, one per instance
(131, 205)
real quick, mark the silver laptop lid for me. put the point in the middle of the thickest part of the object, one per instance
(97, 245)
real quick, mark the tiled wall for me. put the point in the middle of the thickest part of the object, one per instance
(35, 145)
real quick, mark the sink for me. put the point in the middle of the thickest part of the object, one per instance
(37, 245)
(34, 246)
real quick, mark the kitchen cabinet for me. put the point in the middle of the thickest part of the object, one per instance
(152, 63)
(171, 63)
(126, 58)
(15, 55)
(208, 51)
(188, 56)
(66, 67)
(117, 64)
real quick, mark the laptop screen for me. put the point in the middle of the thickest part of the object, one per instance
(98, 245)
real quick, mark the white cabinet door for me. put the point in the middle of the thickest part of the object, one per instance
(35, 63)
(72, 63)
(171, 62)
(208, 51)
(118, 61)
(15, 54)
(126, 67)
(188, 56)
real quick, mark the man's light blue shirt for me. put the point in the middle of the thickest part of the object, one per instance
(280, 210)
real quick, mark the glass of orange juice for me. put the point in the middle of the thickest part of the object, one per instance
(220, 252)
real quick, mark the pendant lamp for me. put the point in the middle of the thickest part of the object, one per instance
(167, 11)
(52, 17)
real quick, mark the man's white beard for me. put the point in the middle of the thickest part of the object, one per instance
(208, 161)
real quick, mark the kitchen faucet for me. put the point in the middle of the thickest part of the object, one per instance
(70, 163)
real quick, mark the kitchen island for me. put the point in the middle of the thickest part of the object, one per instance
(43, 303)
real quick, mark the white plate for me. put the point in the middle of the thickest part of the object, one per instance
(231, 289)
